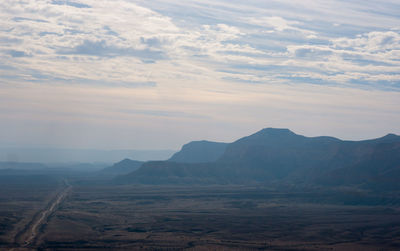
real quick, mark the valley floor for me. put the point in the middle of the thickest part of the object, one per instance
(202, 218)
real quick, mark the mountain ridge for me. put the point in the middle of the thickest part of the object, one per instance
(276, 155)
(125, 166)
(199, 152)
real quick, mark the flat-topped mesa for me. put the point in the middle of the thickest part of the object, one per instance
(268, 136)
(199, 152)
(275, 131)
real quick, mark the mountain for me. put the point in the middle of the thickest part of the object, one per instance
(282, 154)
(377, 166)
(123, 167)
(199, 152)
(279, 156)
(276, 153)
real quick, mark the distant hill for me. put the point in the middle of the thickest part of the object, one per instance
(123, 167)
(167, 172)
(279, 156)
(199, 152)
(61, 156)
(22, 165)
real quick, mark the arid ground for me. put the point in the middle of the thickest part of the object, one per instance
(80, 216)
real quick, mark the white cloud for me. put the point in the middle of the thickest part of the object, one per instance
(276, 23)
(279, 24)
(185, 58)
(95, 43)
(372, 42)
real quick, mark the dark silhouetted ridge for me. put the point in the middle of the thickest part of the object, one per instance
(199, 152)
(279, 156)
(123, 167)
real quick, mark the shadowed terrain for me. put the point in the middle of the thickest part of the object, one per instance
(201, 218)
(273, 190)
(273, 156)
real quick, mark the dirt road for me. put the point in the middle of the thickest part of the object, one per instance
(27, 237)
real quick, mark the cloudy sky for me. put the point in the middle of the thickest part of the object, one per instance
(136, 74)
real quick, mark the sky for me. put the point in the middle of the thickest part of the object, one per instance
(135, 74)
